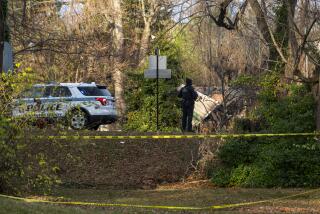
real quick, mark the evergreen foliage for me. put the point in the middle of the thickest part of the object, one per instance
(274, 161)
(141, 96)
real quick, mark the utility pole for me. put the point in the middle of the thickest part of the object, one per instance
(3, 6)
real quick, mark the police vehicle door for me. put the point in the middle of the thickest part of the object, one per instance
(24, 104)
(40, 101)
(58, 99)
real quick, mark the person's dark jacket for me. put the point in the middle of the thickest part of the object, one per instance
(188, 95)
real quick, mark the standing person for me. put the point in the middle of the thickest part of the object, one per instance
(189, 96)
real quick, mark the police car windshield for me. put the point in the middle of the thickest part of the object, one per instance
(92, 91)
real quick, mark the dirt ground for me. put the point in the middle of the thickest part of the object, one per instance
(199, 194)
(142, 172)
(141, 163)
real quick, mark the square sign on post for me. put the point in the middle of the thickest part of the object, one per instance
(157, 69)
(151, 73)
(153, 62)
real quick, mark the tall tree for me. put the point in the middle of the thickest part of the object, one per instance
(3, 15)
(118, 75)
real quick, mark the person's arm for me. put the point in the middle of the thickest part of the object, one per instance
(195, 95)
(180, 93)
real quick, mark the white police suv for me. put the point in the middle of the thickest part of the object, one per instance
(81, 105)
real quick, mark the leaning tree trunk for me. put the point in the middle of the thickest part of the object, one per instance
(118, 76)
(145, 41)
(275, 51)
(147, 16)
(292, 43)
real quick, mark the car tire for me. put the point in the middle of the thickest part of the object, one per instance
(78, 120)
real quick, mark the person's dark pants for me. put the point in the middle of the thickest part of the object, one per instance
(187, 114)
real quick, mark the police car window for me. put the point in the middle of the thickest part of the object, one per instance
(65, 92)
(104, 90)
(57, 91)
(91, 91)
(37, 92)
(26, 94)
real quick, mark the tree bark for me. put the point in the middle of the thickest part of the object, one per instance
(266, 31)
(146, 34)
(318, 106)
(118, 76)
(261, 21)
(2, 29)
(292, 43)
(24, 12)
(304, 23)
(145, 41)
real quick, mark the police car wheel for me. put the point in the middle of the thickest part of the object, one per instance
(78, 120)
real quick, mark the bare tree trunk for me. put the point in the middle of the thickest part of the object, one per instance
(224, 101)
(266, 32)
(2, 26)
(293, 44)
(145, 41)
(146, 34)
(304, 25)
(118, 76)
(24, 12)
(318, 107)
(261, 21)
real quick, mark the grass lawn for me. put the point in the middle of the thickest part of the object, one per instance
(170, 196)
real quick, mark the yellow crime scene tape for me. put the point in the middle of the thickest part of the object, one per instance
(225, 206)
(173, 136)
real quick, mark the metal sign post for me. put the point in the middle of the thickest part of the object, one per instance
(157, 69)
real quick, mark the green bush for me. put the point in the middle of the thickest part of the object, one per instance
(17, 175)
(142, 105)
(221, 177)
(237, 151)
(292, 113)
(274, 161)
(9, 165)
(296, 162)
(141, 97)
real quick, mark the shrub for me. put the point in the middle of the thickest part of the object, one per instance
(221, 177)
(9, 165)
(237, 151)
(274, 161)
(279, 163)
(16, 175)
(141, 97)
